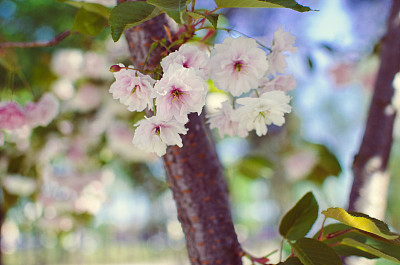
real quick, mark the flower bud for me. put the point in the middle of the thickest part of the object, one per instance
(115, 68)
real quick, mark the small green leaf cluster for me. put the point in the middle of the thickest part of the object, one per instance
(129, 14)
(357, 234)
(90, 19)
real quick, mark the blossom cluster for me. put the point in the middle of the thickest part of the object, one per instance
(237, 66)
(13, 116)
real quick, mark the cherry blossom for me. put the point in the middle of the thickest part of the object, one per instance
(154, 134)
(133, 89)
(282, 83)
(257, 113)
(222, 120)
(179, 92)
(42, 112)
(189, 56)
(283, 41)
(12, 116)
(237, 65)
(68, 63)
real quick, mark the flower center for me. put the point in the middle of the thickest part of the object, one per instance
(176, 93)
(134, 89)
(157, 130)
(238, 65)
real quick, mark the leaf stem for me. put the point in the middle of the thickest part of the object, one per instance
(339, 233)
(322, 230)
(280, 250)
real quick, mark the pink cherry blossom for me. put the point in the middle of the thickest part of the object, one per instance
(179, 92)
(257, 113)
(154, 134)
(42, 112)
(133, 89)
(282, 83)
(283, 41)
(189, 56)
(222, 120)
(12, 116)
(237, 65)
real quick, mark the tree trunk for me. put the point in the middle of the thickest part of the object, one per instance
(371, 180)
(195, 177)
(194, 174)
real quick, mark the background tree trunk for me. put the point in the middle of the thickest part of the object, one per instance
(371, 180)
(194, 173)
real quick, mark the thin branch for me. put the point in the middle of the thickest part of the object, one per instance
(35, 44)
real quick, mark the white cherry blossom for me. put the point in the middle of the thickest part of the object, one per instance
(222, 120)
(179, 92)
(133, 89)
(189, 55)
(282, 83)
(237, 65)
(154, 134)
(257, 113)
(283, 41)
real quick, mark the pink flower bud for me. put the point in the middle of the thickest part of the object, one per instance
(115, 68)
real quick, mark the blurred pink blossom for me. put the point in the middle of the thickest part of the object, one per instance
(12, 116)
(68, 63)
(95, 65)
(43, 112)
(87, 98)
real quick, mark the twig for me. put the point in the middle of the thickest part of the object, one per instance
(34, 44)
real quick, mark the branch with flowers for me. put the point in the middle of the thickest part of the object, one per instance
(172, 71)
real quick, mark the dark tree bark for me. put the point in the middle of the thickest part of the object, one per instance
(370, 164)
(194, 174)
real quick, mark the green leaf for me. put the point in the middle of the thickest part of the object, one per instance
(333, 234)
(314, 252)
(88, 23)
(92, 7)
(377, 246)
(169, 5)
(262, 4)
(130, 14)
(298, 221)
(369, 249)
(213, 18)
(327, 165)
(175, 15)
(361, 221)
(254, 167)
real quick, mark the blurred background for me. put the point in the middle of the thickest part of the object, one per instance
(78, 192)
